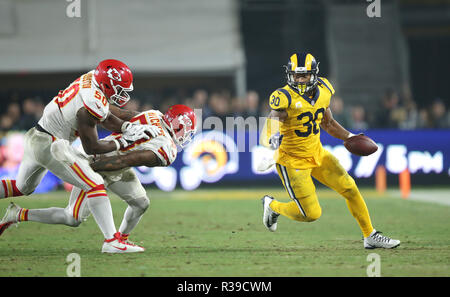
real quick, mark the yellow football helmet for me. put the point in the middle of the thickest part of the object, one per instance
(303, 63)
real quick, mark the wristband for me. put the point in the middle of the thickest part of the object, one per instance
(117, 144)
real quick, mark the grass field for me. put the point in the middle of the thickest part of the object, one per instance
(219, 233)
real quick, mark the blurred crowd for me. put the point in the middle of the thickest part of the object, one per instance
(393, 112)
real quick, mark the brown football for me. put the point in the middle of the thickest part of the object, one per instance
(360, 145)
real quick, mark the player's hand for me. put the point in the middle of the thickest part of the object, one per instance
(351, 135)
(151, 130)
(123, 143)
(275, 140)
(133, 132)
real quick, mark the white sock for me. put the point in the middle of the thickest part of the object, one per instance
(133, 214)
(101, 210)
(52, 215)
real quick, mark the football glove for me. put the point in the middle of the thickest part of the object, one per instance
(133, 132)
(275, 141)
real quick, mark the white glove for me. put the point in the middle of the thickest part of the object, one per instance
(275, 141)
(133, 132)
(151, 130)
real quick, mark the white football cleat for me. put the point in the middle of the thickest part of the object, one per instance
(376, 240)
(10, 217)
(269, 216)
(125, 239)
(116, 245)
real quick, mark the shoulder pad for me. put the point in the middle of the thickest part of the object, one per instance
(95, 102)
(280, 99)
(323, 81)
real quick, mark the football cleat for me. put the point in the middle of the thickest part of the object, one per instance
(269, 216)
(124, 238)
(376, 240)
(10, 217)
(117, 245)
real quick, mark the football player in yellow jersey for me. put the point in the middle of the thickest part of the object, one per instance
(298, 111)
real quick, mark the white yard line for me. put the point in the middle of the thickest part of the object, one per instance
(439, 196)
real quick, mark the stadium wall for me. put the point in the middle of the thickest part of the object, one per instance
(215, 158)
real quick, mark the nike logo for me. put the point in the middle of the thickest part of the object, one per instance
(98, 106)
(122, 249)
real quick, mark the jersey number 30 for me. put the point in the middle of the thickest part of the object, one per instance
(311, 124)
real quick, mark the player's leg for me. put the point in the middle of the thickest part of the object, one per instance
(51, 215)
(304, 206)
(30, 171)
(73, 169)
(72, 215)
(334, 176)
(130, 189)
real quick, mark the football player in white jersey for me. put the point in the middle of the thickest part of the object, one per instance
(74, 112)
(175, 127)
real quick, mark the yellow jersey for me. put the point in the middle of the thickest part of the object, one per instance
(300, 146)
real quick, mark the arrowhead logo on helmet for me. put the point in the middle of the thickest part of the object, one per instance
(182, 122)
(114, 74)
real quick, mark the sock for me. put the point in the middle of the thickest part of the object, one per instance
(22, 216)
(52, 215)
(359, 211)
(131, 218)
(133, 214)
(9, 189)
(100, 207)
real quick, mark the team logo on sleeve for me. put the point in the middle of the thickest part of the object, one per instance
(114, 74)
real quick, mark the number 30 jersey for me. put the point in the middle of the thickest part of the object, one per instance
(300, 146)
(60, 114)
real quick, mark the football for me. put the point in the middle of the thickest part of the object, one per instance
(360, 145)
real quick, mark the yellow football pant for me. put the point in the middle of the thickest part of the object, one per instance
(305, 206)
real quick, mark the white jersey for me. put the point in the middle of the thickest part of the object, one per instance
(162, 145)
(60, 115)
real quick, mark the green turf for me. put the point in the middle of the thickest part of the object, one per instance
(219, 233)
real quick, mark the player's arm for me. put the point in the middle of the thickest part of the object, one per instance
(87, 129)
(132, 159)
(332, 127)
(123, 114)
(279, 101)
(113, 123)
(272, 126)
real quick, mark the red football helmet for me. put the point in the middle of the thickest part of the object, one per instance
(115, 79)
(182, 120)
